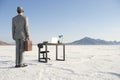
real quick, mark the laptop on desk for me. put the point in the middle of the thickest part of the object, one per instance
(54, 40)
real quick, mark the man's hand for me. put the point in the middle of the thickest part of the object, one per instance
(27, 38)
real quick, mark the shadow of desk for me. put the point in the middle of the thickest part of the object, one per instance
(56, 45)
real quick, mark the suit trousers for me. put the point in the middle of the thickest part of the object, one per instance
(19, 51)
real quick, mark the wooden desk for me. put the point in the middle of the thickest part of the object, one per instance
(55, 44)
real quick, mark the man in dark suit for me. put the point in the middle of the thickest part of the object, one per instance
(20, 33)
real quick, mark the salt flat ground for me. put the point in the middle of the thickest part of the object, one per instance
(82, 63)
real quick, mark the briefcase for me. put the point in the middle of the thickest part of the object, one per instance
(28, 45)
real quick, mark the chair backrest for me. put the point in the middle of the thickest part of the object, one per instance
(40, 45)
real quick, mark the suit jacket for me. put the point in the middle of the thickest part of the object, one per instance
(20, 27)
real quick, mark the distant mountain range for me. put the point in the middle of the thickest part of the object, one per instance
(91, 41)
(3, 43)
(84, 41)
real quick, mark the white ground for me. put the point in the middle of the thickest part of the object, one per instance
(82, 63)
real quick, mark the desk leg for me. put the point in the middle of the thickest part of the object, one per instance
(56, 52)
(63, 52)
(63, 58)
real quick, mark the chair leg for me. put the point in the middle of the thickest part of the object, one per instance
(39, 57)
(44, 57)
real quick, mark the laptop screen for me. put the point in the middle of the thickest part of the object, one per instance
(54, 40)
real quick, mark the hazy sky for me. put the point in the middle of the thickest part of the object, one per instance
(74, 19)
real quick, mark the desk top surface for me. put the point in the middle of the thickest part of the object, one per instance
(52, 43)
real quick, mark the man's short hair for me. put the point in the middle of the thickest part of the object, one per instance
(20, 9)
